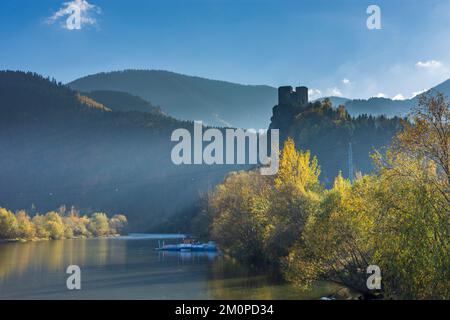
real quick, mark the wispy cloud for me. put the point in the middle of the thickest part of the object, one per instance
(398, 97)
(346, 81)
(335, 92)
(79, 13)
(314, 93)
(430, 64)
(416, 93)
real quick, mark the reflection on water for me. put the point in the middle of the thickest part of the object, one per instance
(131, 268)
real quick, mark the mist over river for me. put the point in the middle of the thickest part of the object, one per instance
(130, 268)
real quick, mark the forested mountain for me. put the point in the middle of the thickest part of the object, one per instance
(217, 103)
(59, 147)
(378, 106)
(328, 133)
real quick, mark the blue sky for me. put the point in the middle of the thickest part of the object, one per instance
(319, 43)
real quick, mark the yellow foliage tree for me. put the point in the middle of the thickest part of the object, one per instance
(297, 194)
(26, 228)
(8, 224)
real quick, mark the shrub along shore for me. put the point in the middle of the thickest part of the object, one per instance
(56, 225)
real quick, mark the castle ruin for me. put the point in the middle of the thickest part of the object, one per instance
(290, 104)
(290, 98)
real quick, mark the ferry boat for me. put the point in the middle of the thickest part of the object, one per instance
(188, 245)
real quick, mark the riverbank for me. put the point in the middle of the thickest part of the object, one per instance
(73, 238)
(57, 225)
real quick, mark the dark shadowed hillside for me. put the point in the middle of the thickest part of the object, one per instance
(217, 103)
(58, 147)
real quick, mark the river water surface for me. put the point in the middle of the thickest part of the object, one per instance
(130, 268)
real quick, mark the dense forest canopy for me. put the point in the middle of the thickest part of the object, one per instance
(327, 133)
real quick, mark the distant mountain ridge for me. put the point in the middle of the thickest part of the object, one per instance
(385, 106)
(221, 103)
(216, 103)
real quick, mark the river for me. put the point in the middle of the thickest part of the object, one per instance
(130, 268)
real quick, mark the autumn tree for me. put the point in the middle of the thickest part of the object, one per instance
(8, 224)
(25, 227)
(297, 192)
(239, 209)
(336, 243)
(40, 226)
(118, 224)
(99, 225)
(414, 250)
(54, 225)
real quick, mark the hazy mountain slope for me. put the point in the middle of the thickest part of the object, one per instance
(215, 102)
(444, 88)
(122, 101)
(55, 149)
(384, 106)
(379, 106)
(373, 106)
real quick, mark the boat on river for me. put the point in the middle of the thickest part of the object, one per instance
(188, 245)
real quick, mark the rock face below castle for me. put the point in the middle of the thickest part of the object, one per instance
(290, 103)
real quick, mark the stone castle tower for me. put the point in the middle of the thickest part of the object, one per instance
(290, 103)
(288, 97)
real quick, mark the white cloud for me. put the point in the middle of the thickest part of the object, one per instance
(314, 93)
(430, 64)
(79, 13)
(381, 95)
(398, 97)
(416, 93)
(335, 92)
(346, 81)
